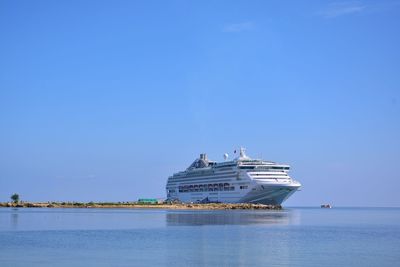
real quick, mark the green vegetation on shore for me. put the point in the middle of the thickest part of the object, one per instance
(15, 198)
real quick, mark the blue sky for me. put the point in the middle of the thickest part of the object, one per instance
(103, 100)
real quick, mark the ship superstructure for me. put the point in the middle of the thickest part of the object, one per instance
(242, 180)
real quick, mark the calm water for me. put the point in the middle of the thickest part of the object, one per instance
(122, 237)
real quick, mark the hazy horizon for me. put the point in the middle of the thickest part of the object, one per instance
(103, 100)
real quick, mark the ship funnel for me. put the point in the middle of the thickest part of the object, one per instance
(203, 157)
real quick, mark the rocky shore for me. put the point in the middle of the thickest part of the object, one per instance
(134, 205)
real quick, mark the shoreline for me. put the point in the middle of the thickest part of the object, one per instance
(130, 205)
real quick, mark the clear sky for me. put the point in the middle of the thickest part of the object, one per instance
(103, 100)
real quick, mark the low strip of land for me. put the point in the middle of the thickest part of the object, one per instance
(135, 205)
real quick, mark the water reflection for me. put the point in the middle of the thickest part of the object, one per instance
(14, 219)
(176, 218)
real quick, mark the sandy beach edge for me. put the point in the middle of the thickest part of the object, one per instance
(177, 206)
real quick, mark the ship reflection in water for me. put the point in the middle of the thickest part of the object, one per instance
(195, 218)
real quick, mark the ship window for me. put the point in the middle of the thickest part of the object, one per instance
(280, 168)
(232, 188)
(247, 167)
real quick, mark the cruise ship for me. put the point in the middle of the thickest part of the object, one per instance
(241, 180)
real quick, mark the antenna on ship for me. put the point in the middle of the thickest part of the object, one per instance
(243, 152)
(226, 156)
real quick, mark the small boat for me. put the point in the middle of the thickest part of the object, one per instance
(326, 206)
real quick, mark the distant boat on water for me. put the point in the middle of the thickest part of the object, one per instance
(326, 206)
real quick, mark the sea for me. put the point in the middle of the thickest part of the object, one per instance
(293, 236)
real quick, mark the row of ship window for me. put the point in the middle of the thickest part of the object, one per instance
(263, 168)
(206, 188)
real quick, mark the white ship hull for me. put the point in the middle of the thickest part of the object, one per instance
(262, 193)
